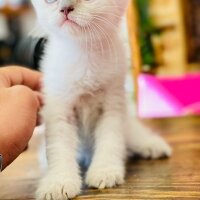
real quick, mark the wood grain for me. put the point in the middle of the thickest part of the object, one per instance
(174, 178)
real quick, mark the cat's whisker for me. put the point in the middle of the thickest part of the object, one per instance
(111, 42)
(113, 50)
(86, 41)
(109, 14)
(99, 39)
(102, 19)
(87, 49)
(106, 37)
(93, 30)
(91, 33)
(102, 6)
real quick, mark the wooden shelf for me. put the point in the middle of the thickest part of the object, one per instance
(11, 11)
(170, 46)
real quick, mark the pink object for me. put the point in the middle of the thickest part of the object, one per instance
(168, 96)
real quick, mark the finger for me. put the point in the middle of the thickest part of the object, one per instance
(10, 76)
(18, 117)
(39, 120)
(39, 97)
(41, 102)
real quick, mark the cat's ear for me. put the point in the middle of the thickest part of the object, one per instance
(37, 32)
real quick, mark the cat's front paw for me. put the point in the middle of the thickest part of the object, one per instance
(107, 177)
(57, 187)
(153, 147)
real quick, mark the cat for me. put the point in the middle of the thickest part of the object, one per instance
(85, 108)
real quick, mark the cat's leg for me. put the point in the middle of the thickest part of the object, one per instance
(107, 168)
(141, 141)
(62, 180)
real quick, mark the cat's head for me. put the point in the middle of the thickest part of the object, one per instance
(79, 16)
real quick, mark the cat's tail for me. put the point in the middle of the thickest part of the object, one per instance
(143, 142)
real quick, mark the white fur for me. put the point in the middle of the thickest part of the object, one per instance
(85, 106)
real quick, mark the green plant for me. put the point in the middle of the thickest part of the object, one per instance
(146, 31)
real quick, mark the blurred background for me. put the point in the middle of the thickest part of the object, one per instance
(165, 40)
(17, 20)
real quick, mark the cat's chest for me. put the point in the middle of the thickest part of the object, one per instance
(78, 74)
(67, 68)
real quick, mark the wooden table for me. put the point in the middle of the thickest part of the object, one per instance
(174, 178)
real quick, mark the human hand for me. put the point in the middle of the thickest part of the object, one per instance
(20, 102)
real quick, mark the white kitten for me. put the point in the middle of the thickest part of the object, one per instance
(85, 107)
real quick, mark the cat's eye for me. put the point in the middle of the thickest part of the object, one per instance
(50, 1)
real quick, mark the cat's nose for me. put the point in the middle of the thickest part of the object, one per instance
(66, 10)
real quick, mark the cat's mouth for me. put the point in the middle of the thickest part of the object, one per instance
(69, 22)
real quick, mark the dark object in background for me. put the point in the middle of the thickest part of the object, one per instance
(11, 12)
(8, 44)
(192, 17)
(14, 49)
(26, 52)
(29, 52)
